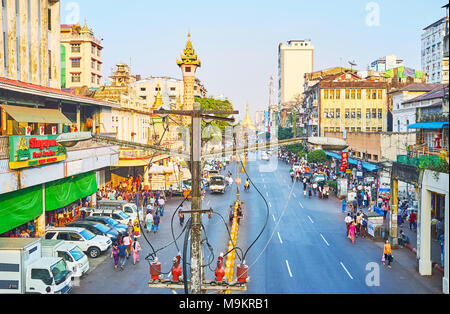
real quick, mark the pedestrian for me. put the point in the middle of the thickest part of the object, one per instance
(161, 203)
(292, 176)
(309, 190)
(348, 221)
(149, 221)
(115, 255)
(358, 223)
(127, 242)
(384, 209)
(181, 218)
(136, 247)
(156, 221)
(136, 229)
(412, 221)
(344, 205)
(130, 227)
(387, 252)
(123, 255)
(351, 232)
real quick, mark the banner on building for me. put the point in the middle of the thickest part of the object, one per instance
(34, 150)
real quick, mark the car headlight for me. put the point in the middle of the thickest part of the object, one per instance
(109, 235)
(80, 265)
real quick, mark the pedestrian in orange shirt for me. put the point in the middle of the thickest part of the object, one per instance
(387, 251)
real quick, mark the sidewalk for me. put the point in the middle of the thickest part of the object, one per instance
(412, 246)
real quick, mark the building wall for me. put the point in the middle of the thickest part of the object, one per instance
(29, 41)
(294, 60)
(432, 51)
(354, 114)
(403, 116)
(170, 89)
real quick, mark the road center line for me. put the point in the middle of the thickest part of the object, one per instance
(273, 217)
(300, 205)
(324, 240)
(346, 271)
(267, 194)
(289, 269)
(294, 195)
(311, 219)
(279, 237)
(265, 186)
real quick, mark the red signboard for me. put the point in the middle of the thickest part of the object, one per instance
(344, 157)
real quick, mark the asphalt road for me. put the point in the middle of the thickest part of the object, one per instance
(302, 250)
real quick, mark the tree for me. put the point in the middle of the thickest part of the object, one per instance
(215, 104)
(285, 133)
(317, 156)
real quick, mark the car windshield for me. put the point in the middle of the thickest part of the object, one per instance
(87, 234)
(123, 215)
(111, 221)
(59, 271)
(102, 227)
(215, 180)
(76, 253)
(134, 207)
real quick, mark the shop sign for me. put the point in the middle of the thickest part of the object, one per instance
(34, 150)
(344, 158)
(371, 228)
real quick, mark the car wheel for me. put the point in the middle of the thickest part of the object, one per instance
(94, 252)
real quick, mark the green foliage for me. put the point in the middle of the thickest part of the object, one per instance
(213, 104)
(332, 184)
(317, 156)
(297, 149)
(285, 133)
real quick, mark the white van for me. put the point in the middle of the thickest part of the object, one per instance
(74, 257)
(92, 244)
(118, 215)
(129, 209)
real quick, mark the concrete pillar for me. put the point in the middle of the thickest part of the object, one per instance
(23, 44)
(34, 42)
(446, 235)
(40, 224)
(78, 118)
(44, 43)
(12, 53)
(424, 233)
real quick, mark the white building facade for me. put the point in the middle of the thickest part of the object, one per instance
(432, 43)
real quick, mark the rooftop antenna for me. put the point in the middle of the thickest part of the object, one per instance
(352, 64)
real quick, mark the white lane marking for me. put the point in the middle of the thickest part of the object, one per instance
(265, 186)
(324, 240)
(267, 194)
(270, 204)
(300, 205)
(311, 219)
(279, 237)
(273, 218)
(294, 195)
(289, 269)
(346, 271)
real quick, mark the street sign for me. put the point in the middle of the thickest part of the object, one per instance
(348, 171)
(359, 165)
(344, 158)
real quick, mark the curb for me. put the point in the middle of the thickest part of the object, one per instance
(436, 266)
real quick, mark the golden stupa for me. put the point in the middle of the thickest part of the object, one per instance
(248, 123)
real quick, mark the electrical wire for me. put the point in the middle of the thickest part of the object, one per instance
(184, 258)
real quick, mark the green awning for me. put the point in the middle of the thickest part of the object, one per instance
(34, 115)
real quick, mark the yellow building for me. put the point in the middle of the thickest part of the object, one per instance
(81, 56)
(29, 41)
(352, 104)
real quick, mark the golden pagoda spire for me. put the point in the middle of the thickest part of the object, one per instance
(248, 123)
(189, 56)
(158, 100)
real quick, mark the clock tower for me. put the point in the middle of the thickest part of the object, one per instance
(189, 63)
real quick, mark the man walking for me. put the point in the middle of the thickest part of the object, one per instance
(123, 255)
(348, 220)
(156, 221)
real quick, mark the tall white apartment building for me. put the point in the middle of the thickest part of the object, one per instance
(432, 41)
(294, 60)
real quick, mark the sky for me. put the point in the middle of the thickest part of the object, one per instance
(237, 41)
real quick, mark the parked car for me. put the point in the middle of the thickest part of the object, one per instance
(118, 215)
(96, 228)
(217, 184)
(128, 208)
(93, 245)
(122, 228)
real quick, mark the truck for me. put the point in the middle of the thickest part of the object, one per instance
(23, 269)
(75, 259)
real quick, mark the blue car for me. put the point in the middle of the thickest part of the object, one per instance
(96, 228)
(123, 229)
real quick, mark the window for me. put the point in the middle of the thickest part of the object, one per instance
(338, 94)
(374, 94)
(173, 89)
(157, 89)
(347, 94)
(188, 69)
(353, 93)
(98, 79)
(76, 77)
(374, 113)
(368, 93)
(63, 236)
(358, 114)
(358, 94)
(76, 48)
(93, 76)
(76, 63)
(332, 94)
(352, 129)
(325, 129)
(74, 237)
(358, 129)
(375, 157)
(93, 64)
(380, 129)
(338, 113)
(49, 235)
(49, 19)
(325, 94)
(143, 89)
(98, 66)
(332, 113)
(93, 49)
(398, 125)
(380, 94)
(367, 113)
(42, 274)
(347, 113)
(353, 115)
(380, 114)
(325, 113)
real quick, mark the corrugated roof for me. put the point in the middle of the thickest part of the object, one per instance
(417, 87)
(433, 94)
(34, 115)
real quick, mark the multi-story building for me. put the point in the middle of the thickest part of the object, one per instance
(294, 60)
(432, 43)
(352, 104)
(29, 41)
(170, 89)
(403, 113)
(445, 58)
(385, 63)
(81, 57)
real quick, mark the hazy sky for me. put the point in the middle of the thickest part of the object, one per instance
(237, 41)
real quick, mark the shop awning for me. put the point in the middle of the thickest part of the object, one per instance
(34, 115)
(429, 125)
(366, 165)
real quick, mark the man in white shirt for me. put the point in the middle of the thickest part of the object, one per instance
(161, 203)
(348, 220)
